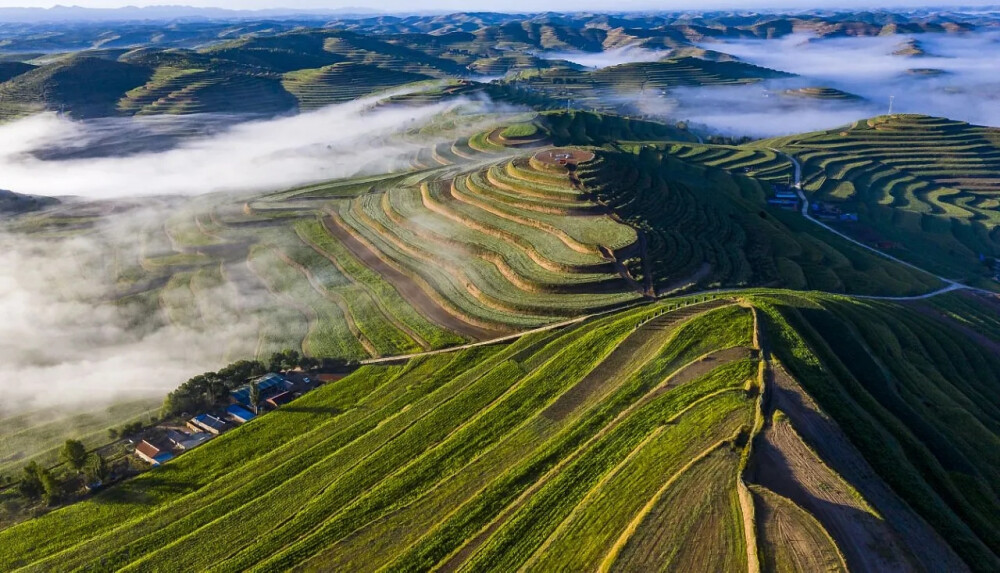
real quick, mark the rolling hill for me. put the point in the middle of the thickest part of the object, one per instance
(928, 184)
(485, 235)
(272, 67)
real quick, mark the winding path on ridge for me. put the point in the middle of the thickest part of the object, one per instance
(950, 285)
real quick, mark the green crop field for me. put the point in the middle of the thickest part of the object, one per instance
(707, 224)
(645, 433)
(484, 239)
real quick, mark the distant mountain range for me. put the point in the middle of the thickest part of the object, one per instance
(160, 13)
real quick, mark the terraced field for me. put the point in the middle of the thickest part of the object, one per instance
(823, 93)
(514, 241)
(931, 185)
(702, 220)
(484, 236)
(38, 435)
(914, 396)
(342, 82)
(646, 433)
(481, 441)
(479, 239)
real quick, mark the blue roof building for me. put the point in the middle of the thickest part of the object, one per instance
(207, 423)
(240, 414)
(269, 385)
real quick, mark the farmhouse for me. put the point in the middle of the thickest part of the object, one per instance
(177, 437)
(269, 385)
(195, 440)
(207, 423)
(784, 192)
(239, 414)
(152, 453)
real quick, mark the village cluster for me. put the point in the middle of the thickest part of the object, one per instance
(165, 441)
(786, 197)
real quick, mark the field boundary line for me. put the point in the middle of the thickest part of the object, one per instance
(612, 555)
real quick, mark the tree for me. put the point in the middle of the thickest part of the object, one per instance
(37, 481)
(74, 453)
(255, 397)
(51, 486)
(131, 429)
(95, 469)
(285, 360)
(31, 485)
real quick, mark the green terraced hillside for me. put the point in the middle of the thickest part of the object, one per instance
(89, 86)
(702, 218)
(822, 93)
(484, 236)
(342, 82)
(280, 70)
(713, 433)
(477, 240)
(599, 89)
(929, 185)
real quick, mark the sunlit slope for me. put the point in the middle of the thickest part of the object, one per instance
(476, 239)
(650, 438)
(497, 451)
(87, 86)
(603, 88)
(930, 184)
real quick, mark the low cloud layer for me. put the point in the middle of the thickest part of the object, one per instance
(62, 346)
(964, 83)
(64, 341)
(607, 58)
(49, 154)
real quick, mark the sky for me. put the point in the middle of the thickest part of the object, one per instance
(489, 5)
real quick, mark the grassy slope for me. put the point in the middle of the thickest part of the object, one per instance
(389, 436)
(915, 397)
(510, 456)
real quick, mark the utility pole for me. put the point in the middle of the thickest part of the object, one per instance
(891, 98)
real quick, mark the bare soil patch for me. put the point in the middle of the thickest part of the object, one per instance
(821, 483)
(790, 538)
(563, 156)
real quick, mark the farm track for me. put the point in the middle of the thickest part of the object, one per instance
(950, 285)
